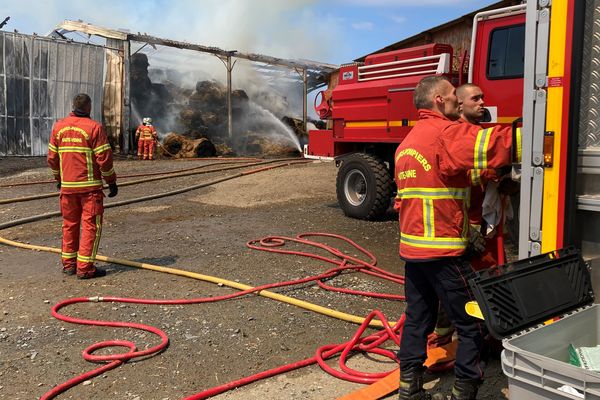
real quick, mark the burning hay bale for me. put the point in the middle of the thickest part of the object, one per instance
(206, 111)
(179, 146)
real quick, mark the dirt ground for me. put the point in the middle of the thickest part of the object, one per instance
(203, 231)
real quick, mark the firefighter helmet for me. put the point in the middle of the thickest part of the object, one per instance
(147, 121)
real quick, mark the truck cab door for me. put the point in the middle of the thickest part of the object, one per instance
(497, 64)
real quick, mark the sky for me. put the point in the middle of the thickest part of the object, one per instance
(329, 31)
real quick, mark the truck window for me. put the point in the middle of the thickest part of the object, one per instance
(506, 52)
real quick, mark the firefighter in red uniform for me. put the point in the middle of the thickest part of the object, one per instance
(472, 111)
(431, 172)
(147, 136)
(80, 156)
(470, 98)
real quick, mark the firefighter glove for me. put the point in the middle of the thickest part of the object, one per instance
(476, 242)
(58, 185)
(113, 189)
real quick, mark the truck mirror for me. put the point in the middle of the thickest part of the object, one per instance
(487, 116)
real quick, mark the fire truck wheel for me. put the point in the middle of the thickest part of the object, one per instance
(364, 186)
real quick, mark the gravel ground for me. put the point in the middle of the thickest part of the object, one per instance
(203, 231)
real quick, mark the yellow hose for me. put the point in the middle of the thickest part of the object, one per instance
(207, 278)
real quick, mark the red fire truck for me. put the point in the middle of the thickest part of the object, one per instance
(537, 61)
(371, 108)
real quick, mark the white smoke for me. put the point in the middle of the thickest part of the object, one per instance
(287, 29)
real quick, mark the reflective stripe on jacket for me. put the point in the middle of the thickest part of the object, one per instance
(431, 172)
(146, 132)
(79, 155)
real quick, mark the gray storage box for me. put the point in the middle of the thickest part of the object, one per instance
(536, 361)
(517, 298)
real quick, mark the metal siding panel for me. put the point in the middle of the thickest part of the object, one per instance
(9, 54)
(3, 137)
(84, 63)
(2, 81)
(39, 97)
(25, 56)
(23, 129)
(42, 77)
(20, 96)
(2, 96)
(10, 90)
(1, 53)
(589, 132)
(43, 60)
(98, 77)
(40, 134)
(45, 130)
(11, 133)
(60, 74)
(26, 97)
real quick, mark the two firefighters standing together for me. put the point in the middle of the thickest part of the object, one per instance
(442, 154)
(147, 137)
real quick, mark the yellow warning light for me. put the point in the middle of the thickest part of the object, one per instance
(548, 148)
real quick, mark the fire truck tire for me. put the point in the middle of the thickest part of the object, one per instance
(364, 186)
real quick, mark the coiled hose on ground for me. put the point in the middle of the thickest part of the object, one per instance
(343, 262)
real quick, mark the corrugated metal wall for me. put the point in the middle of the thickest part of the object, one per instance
(38, 79)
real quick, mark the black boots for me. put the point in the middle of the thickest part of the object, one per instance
(411, 385)
(465, 389)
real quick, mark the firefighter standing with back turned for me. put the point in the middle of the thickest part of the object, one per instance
(431, 172)
(147, 136)
(80, 157)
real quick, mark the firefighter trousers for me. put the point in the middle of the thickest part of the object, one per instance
(427, 284)
(146, 149)
(81, 211)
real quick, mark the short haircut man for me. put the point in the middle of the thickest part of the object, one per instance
(438, 94)
(470, 98)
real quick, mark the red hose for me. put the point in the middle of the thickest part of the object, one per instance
(366, 344)
(341, 261)
(115, 359)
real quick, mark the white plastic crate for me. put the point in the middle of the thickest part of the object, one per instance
(536, 361)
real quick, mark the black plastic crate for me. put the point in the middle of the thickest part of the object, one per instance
(519, 295)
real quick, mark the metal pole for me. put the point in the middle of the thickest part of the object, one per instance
(126, 102)
(229, 116)
(305, 94)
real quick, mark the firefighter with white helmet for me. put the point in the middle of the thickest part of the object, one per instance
(146, 136)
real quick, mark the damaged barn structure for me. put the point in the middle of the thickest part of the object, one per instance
(202, 115)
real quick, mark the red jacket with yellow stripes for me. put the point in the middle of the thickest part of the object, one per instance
(146, 132)
(431, 172)
(79, 155)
